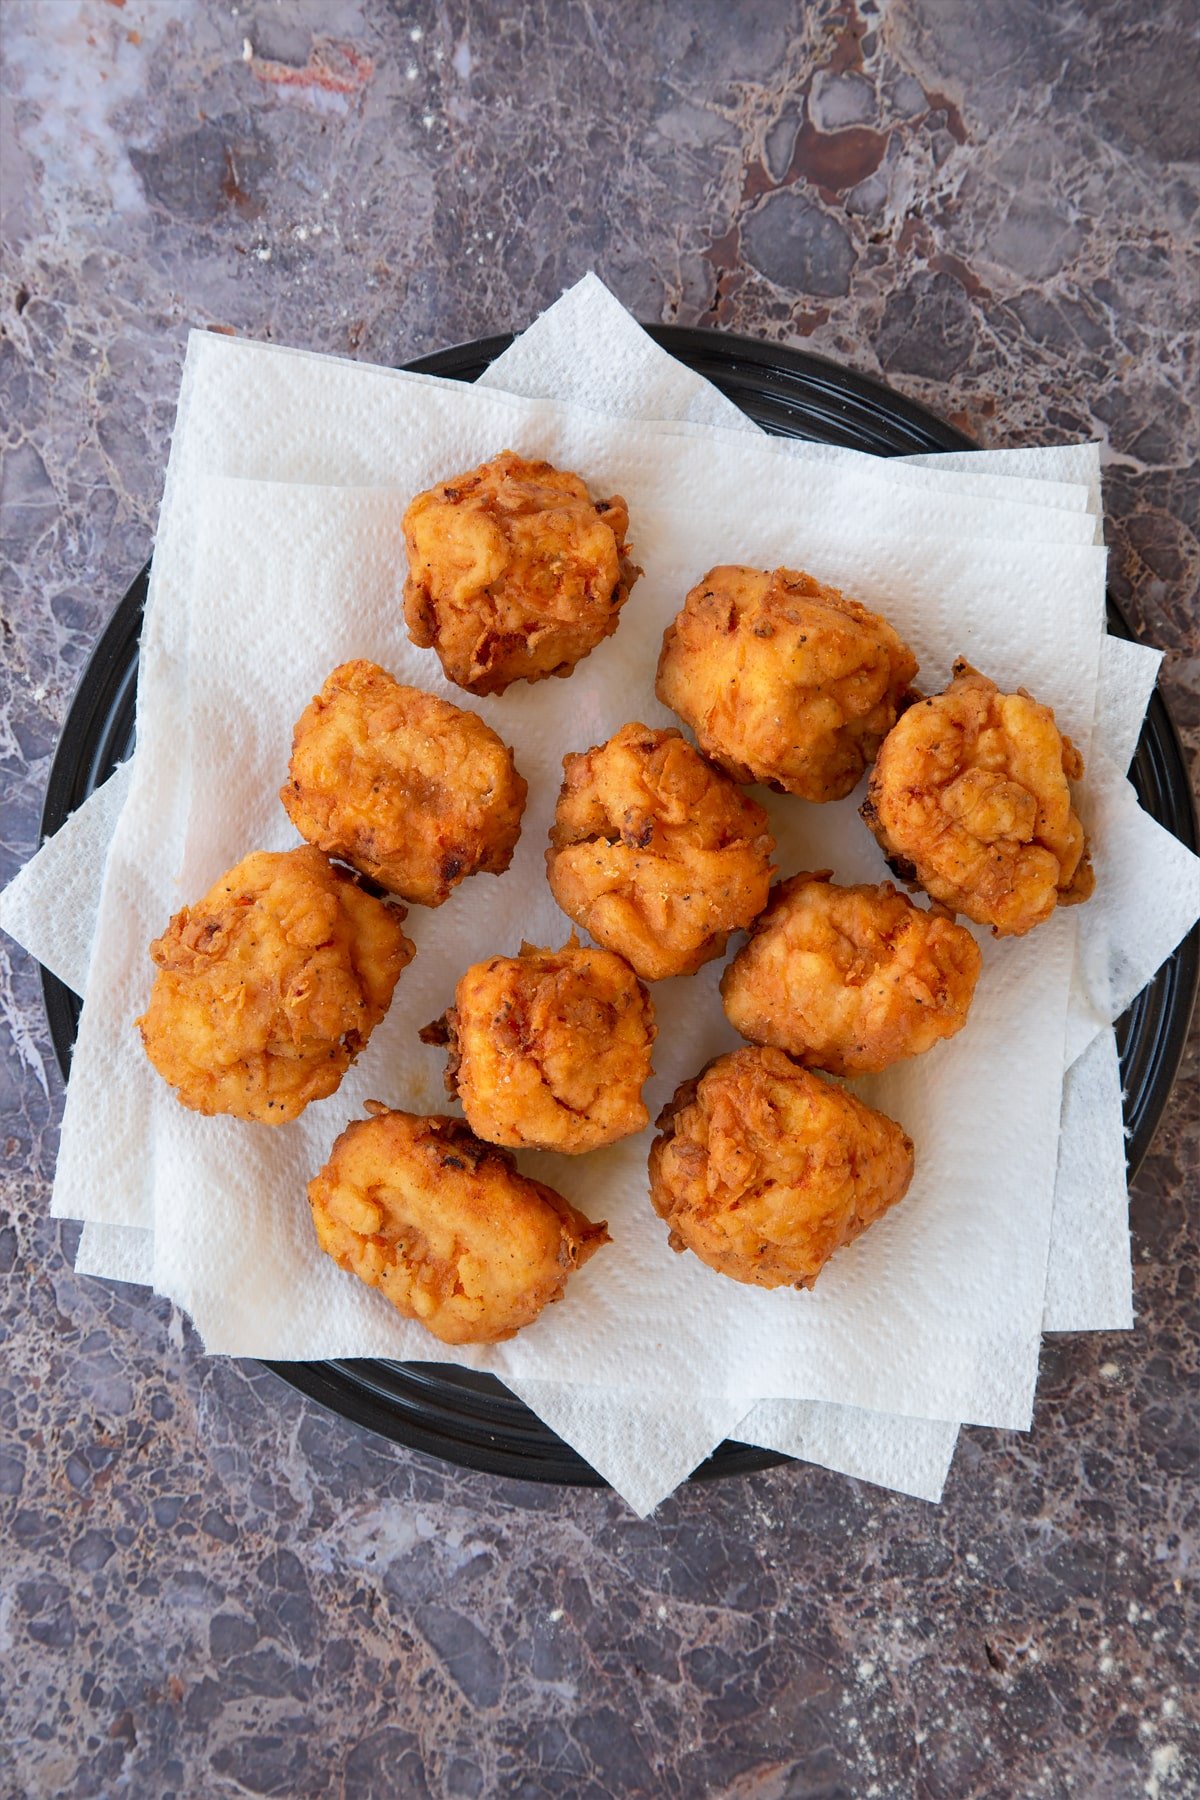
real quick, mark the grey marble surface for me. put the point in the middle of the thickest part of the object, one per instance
(211, 1587)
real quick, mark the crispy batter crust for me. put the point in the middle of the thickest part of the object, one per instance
(656, 853)
(850, 979)
(414, 792)
(970, 799)
(270, 986)
(445, 1227)
(784, 680)
(551, 1049)
(514, 572)
(764, 1170)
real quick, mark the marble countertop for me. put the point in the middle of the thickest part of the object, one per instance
(209, 1585)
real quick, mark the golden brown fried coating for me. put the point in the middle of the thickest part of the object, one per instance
(969, 798)
(414, 792)
(550, 1049)
(850, 979)
(445, 1227)
(764, 1170)
(514, 572)
(656, 853)
(271, 985)
(784, 680)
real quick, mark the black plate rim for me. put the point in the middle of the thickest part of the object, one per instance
(480, 1424)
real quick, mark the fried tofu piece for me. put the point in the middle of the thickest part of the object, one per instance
(550, 1050)
(270, 986)
(656, 853)
(514, 572)
(850, 979)
(783, 680)
(415, 793)
(763, 1170)
(445, 1226)
(970, 799)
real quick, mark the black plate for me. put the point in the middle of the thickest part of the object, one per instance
(470, 1418)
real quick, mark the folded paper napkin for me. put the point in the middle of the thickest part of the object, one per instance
(307, 563)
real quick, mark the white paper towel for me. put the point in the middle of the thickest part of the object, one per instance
(634, 1441)
(586, 347)
(704, 389)
(314, 572)
(51, 905)
(1148, 884)
(116, 1253)
(1128, 675)
(1089, 1282)
(865, 1445)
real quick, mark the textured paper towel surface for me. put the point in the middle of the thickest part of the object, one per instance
(1089, 1281)
(116, 1252)
(286, 561)
(51, 905)
(1148, 888)
(1078, 463)
(1128, 674)
(264, 412)
(991, 458)
(636, 1441)
(856, 1443)
(587, 348)
(644, 1445)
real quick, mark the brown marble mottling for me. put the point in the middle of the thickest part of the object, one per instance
(208, 1585)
